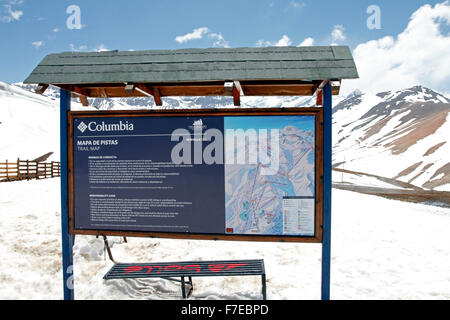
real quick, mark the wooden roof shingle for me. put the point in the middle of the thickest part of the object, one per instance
(192, 65)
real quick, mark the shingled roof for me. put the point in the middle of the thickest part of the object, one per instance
(270, 63)
(196, 72)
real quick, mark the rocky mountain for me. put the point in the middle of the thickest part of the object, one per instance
(400, 135)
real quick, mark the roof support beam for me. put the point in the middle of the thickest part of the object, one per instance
(82, 94)
(84, 101)
(129, 88)
(157, 96)
(237, 92)
(237, 84)
(40, 89)
(150, 91)
(335, 86)
(145, 90)
(319, 93)
(228, 87)
(103, 93)
(78, 92)
(212, 88)
(319, 99)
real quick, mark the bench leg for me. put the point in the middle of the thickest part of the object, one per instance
(108, 249)
(263, 282)
(192, 287)
(183, 288)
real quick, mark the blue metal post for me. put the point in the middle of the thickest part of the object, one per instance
(67, 239)
(327, 171)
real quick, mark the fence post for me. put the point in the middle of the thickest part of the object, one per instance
(18, 169)
(28, 170)
(7, 174)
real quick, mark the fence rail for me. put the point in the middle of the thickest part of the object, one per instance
(28, 170)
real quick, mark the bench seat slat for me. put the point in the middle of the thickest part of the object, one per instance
(186, 269)
(190, 269)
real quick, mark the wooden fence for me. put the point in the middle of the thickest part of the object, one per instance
(28, 170)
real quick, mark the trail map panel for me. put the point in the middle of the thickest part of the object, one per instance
(275, 200)
(229, 175)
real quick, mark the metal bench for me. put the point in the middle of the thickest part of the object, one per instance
(183, 270)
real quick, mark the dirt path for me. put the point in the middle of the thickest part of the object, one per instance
(440, 198)
(409, 192)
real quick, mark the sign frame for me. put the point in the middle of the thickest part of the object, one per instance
(319, 171)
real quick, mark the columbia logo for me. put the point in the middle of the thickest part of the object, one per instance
(82, 127)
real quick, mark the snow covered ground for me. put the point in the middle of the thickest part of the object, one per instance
(28, 123)
(381, 249)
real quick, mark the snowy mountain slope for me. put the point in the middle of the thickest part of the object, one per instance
(401, 135)
(29, 124)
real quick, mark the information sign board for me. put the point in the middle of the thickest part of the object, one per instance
(240, 174)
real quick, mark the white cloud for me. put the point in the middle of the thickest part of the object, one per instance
(37, 44)
(200, 33)
(338, 34)
(15, 14)
(262, 43)
(83, 47)
(101, 48)
(307, 42)
(74, 48)
(55, 30)
(194, 35)
(418, 55)
(12, 15)
(219, 40)
(283, 42)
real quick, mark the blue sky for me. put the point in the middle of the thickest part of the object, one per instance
(30, 29)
